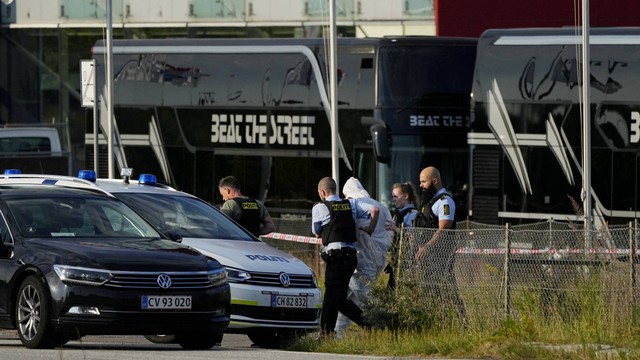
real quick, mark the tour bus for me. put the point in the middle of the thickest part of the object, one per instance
(526, 140)
(192, 111)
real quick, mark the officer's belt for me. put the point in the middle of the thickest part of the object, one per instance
(338, 245)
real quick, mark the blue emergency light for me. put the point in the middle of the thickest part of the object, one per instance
(89, 175)
(12, 171)
(147, 179)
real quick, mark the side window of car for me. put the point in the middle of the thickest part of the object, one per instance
(115, 219)
(120, 224)
(4, 231)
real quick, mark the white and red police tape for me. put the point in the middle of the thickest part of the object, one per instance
(467, 250)
(296, 238)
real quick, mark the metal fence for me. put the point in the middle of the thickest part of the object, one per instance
(550, 271)
(479, 275)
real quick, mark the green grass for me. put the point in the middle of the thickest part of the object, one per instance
(590, 319)
(504, 344)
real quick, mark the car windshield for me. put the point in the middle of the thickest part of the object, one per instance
(77, 216)
(185, 216)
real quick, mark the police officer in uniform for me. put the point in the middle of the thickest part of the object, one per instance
(246, 211)
(438, 211)
(333, 220)
(437, 206)
(404, 196)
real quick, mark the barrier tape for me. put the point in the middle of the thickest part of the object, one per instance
(296, 238)
(477, 251)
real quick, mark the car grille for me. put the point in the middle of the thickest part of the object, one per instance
(149, 280)
(265, 313)
(271, 279)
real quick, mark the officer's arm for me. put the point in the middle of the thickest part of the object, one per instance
(266, 222)
(227, 208)
(374, 214)
(444, 224)
(317, 217)
(445, 214)
(267, 225)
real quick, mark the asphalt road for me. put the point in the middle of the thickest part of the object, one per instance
(138, 348)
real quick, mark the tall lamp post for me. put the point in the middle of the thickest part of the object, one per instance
(109, 85)
(586, 120)
(333, 97)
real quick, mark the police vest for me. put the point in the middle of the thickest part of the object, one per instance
(250, 215)
(399, 215)
(341, 226)
(427, 218)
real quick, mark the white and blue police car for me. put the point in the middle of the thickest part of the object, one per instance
(274, 295)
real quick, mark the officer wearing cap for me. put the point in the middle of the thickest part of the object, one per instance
(333, 220)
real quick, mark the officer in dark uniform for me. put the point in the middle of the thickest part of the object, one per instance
(333, 220)
(246, 211)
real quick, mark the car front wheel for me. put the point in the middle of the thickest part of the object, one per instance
(33, 315)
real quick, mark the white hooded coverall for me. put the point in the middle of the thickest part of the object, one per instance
(372, 249)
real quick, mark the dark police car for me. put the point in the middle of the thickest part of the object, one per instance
(76, 261)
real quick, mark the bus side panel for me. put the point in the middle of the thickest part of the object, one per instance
(526, 105)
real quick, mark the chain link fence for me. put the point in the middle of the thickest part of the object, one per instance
(545, 272)
(481, 275)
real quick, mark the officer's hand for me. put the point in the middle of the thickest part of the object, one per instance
(421, 253)
(390, 226)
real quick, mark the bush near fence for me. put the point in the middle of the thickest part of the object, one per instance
(546, 274)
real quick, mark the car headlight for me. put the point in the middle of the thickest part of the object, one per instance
(314, 279)
(80, 275)
(218, 277)
(236, 275)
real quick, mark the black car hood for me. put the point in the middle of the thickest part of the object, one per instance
(120, 254)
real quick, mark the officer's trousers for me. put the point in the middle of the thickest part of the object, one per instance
(340, 265)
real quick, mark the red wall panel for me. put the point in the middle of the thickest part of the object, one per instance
(472, 17)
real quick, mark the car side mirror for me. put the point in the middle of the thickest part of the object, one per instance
(173, 235)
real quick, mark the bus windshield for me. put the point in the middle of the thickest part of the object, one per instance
(411, 153)
(410, 73)
(424, 92)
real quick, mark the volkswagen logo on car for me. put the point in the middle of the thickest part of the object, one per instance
(164, 281)
(284, 279)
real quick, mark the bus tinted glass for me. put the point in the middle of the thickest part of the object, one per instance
(410, 72)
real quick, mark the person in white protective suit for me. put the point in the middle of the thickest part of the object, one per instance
(372, 249)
